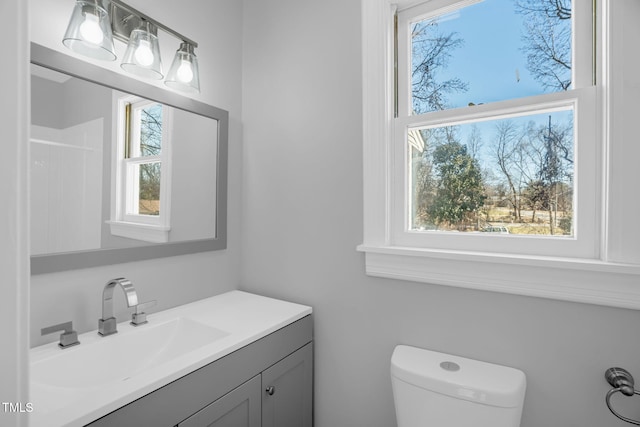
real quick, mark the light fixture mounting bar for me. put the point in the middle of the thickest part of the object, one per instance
(125, 18)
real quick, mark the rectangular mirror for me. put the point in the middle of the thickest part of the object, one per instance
(120, 170)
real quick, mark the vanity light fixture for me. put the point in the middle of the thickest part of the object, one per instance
(142, 56)
(183, 74)
(89, 31)
(95, 23)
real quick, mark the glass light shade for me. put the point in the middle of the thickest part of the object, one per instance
(183, 74)
(89, 31)
(142, 56)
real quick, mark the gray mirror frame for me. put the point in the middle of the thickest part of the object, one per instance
(58, 61)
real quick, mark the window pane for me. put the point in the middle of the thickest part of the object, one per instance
(491, 51)
(149, 196)
(151, 130)
(143, 189)
(508, 176)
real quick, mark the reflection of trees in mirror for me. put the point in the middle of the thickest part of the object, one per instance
(149, 201)
(151, 130)
(516, 172)
(150, 145)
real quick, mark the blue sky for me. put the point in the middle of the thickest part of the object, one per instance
(490, 54)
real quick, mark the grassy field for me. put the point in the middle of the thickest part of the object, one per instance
(527, 224)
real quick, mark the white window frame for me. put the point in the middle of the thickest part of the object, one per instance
(149, 228)
(604, 269)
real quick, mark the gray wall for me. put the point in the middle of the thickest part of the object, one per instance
(75, 295)
(46, 98)
(302, 219)
(61, 105)
(193, 176)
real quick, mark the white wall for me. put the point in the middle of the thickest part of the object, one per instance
(76, 295)
(302, 220)
(14, 260)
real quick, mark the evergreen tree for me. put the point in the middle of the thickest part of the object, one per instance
(460, 191)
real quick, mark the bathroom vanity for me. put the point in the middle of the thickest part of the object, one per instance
(233, 359)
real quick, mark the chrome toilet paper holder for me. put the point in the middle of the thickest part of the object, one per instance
(622, 382)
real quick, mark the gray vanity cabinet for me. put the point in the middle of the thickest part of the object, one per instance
(238, 408)
(287, 399)
(280, 397)
(267, 383)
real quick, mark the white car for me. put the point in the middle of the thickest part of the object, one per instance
(496, 229)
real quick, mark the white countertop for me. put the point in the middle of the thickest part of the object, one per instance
(243, 317)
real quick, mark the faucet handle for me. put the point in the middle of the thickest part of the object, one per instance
(68, 338)
(140, 317)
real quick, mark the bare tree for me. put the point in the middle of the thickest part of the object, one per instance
(151, 130)
(150, 145)
(424, 188)
(431, 53)
(535, 197)
(560, 9)
(548, 152)
(547, 41)
(557, 166)
(506, 149)
(474, 142)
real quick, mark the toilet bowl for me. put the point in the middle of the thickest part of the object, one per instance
(434, 389)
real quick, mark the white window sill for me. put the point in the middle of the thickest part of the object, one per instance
(145, 232)
(569, 279)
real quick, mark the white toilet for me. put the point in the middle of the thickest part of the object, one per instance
(433, 389)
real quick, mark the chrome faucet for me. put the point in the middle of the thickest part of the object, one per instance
(140, 317)
(68, 338)
(107, 325)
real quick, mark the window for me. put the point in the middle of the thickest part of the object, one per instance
(488, 148)
(515, 172)
(143, 160)
(141, 171)
(489, 126)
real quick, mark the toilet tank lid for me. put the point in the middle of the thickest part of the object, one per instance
(459, 377)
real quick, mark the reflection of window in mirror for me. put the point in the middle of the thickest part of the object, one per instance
(142, 169)
(142, 159)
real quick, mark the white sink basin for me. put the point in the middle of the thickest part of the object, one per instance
(121, 356)
(75, 386)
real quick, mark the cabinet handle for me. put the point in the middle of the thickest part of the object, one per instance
(270, 390)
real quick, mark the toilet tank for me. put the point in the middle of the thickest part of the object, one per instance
(434, 389)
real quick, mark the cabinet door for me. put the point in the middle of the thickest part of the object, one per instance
(238, 408)
(287, 391)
